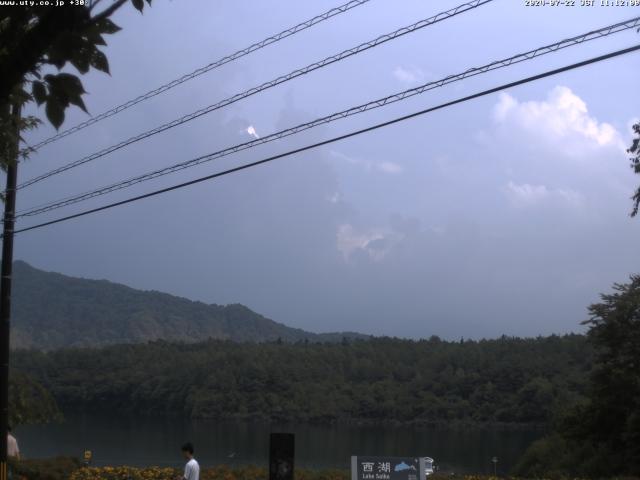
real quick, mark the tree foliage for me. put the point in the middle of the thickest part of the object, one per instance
(601, 436)
(38, 39)
(506, 381)
(30, 402)
(634, 150)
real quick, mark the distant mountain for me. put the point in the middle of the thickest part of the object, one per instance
(50, 310)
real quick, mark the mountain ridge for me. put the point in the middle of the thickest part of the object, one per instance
(51, 310)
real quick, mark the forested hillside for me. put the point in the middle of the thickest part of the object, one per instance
(507, 380)
(51, 310)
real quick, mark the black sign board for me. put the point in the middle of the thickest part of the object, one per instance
(387, 468)
(281, 456)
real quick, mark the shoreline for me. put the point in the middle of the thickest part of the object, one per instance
(439, 425)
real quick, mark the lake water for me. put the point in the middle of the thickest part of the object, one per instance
(143, 441)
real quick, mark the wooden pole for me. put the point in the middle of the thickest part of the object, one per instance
(5, 290)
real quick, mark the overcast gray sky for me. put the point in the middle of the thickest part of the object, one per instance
(508, 214)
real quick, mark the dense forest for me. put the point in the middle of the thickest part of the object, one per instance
(600, 436)
(70, 311)
(30, 402)
(508, 380)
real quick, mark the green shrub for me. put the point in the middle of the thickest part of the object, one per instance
(59, 468)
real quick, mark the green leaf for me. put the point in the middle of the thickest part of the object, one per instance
(106, 26)
(39, 92)
(56, 91)
(55, 112)
(64, 48)
(94, 37)
(138, 4)
(56, 61)
(65, 82)
(81, 60)
(78, 102)
(99, 61)
(71, 83)
(66, 89)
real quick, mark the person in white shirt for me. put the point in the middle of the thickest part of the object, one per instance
(12, 445)
(191, 469)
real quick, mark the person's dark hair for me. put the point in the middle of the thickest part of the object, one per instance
(9, 428)
(188, 447)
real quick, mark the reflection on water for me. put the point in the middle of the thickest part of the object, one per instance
(143, 441)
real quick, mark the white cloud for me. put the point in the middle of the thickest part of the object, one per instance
(526, 195)
(348, 239)
(334, 198)
(252, 131)
(382, 167)
(505, 105)
(351, 160)
(390, 167)
(409, 74)
(571, 197)
(376, 243)
(563, 116)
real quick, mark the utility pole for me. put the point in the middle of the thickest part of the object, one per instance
(5, 287)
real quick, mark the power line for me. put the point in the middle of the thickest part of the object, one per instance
(267, 85)
(338, 138)
(521, 57)
(202, 70)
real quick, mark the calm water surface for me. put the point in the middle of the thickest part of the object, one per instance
(142, 441)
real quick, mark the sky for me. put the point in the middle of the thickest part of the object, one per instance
(508, 214)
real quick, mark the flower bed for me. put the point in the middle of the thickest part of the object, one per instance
(68, 469)
(215, 473)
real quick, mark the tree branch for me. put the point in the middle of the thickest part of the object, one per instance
(107, 12)
(28, 51)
